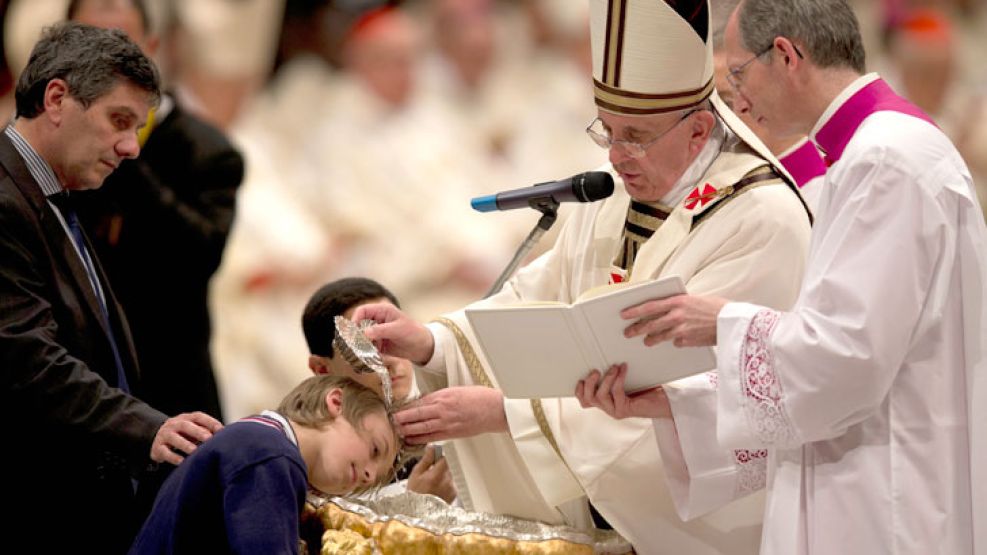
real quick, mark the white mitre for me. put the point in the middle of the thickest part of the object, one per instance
(656, 56)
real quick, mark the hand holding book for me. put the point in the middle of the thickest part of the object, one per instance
(542, 350)
(685, 320)
(608, 394)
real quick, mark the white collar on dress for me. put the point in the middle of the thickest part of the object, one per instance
(288, 430)
(698, 167)
(852, 89)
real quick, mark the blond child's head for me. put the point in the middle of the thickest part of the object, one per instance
(344, 434)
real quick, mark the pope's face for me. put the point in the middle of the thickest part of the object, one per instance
(652, 176)
(90, 142)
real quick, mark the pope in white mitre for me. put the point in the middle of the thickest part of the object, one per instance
(698, 196)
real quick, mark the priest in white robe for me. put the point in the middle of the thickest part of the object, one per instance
(862, 408)
(698, 196)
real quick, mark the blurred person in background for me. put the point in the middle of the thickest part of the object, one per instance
(418, 156)
(224, 50)
(279, 250)
(219, 51)
(350, 190)
(467, 69)
(924, 49)
(298, 92)
(546, 140)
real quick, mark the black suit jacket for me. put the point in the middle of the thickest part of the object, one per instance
(72, 440)
(160, 223)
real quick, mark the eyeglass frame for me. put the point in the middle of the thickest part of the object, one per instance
(735, 75)
(633, 149)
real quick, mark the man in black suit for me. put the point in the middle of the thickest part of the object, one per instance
(77, 434)
(160, 224)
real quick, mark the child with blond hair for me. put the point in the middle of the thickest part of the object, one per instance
(244, 489)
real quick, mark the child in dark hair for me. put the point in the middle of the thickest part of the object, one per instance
(341, 298)
(243, 490)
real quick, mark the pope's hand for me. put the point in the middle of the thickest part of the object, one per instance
(453, 413)
(687, 320)
(395, 333)
(607, 394)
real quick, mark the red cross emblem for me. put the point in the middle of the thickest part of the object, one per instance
(695, 198)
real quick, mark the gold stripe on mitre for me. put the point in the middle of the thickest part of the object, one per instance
(614, 46)
(650, 56)
(637, 104)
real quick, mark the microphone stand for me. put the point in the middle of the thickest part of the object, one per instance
(549, 209)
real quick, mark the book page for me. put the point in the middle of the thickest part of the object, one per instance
(543, 351)
(532, 350)
(603, 290)
(646, 366)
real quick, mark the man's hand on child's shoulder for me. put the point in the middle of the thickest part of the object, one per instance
(182, 434)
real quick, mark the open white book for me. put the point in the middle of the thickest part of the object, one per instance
(541, 350)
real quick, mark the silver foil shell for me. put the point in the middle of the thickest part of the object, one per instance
(358, 351)
(427, 512)
(361, 354)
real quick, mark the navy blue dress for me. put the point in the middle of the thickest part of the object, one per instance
(240, 492)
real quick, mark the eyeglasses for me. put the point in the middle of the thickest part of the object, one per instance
(601, 136)
(735, 76)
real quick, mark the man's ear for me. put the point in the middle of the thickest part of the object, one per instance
(702, 125)
(787, 49)
(334, 402)
(56, 95)
(318, 364)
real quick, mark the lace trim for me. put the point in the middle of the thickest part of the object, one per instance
(760, 388)
(752, 470)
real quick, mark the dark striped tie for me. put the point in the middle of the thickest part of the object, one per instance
(66, 205)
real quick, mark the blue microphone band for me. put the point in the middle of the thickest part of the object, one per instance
(585, 187)
(486, 203)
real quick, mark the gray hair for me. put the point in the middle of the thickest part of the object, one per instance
(828, 29)
(90, 60)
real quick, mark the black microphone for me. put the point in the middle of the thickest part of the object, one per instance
(585, 187)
